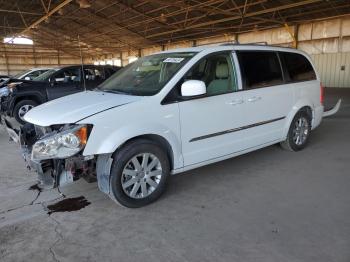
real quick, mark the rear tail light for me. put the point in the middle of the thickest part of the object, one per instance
(321, 94)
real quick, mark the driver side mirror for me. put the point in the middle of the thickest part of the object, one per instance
(192, 88)
(27, 78)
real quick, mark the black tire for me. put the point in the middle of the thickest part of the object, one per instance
(19, 105)
(122, 158)
(290, 143)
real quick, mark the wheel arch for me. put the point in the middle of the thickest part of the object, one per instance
(105, 140)
(305, 106)
(160, 140)
(104, 161)
(32, 97)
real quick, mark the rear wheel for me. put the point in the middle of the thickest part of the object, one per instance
(139, 173)
(21, 108)
(299, 132)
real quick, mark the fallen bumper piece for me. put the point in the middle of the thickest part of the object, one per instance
(334, 110)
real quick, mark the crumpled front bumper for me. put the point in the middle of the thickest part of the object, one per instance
(51, 172)
(42, 168)
(5, 106)
(12, 132)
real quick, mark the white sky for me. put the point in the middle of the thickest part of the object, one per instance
(18, 40)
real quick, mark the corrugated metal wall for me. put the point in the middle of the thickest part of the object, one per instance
(334, 68)
(17, 58)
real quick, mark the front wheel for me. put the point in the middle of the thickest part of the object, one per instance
(139, 173)
(299, 132)
(21, 108)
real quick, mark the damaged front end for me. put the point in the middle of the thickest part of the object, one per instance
(4, 101)
(55, 152)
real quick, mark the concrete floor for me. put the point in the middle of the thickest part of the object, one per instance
(270, 205)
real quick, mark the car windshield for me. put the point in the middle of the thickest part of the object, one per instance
(45, 76)
(21, 73)
(146, 76)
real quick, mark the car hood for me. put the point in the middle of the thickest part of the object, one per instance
(73, 108)
(21, 82)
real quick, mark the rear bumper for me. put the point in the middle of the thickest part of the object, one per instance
(319, 113)
(334, 110)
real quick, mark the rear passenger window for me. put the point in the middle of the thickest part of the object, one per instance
(298, 67)
(259, 69)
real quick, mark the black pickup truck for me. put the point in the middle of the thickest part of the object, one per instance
(23, 95)
(3, 78)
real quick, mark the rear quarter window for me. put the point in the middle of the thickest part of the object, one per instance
(298, 67)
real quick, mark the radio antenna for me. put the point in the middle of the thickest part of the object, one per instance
(82, 63)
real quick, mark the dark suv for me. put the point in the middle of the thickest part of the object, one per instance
(23, 95)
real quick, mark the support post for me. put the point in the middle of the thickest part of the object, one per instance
(34, 55)
(6, 61)
(292, 34)
(58, 57)
(121, 59)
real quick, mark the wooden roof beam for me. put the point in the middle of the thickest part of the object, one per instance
(43, 18)
(227, 19)
(194, 19)
(107, 22)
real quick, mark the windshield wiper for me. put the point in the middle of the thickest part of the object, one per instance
(114, 92)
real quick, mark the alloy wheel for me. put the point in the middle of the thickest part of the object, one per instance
(141, 175)
(301, 131)
(23, 110)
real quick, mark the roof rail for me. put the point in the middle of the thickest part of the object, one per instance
(219, 43)
(252, 43)
(227, 44)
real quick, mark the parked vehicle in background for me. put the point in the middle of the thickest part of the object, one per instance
(4, 78)
(20, 96)
(31, 73)
(27, 75)
(171, 112)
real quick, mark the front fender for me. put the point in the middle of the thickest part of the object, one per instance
(102, 141)
(114, 127)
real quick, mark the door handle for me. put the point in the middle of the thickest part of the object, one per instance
(236, 102)
(254, 99)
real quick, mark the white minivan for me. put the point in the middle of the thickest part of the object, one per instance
(171, 112)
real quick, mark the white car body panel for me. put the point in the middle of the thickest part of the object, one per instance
(134, 120)
(119, 118)
(201, 117)
(258, 109)
(72, 108)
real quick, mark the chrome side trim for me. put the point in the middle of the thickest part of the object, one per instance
(236, 129)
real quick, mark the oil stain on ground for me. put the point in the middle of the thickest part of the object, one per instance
(68, 205)
(35, 187)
